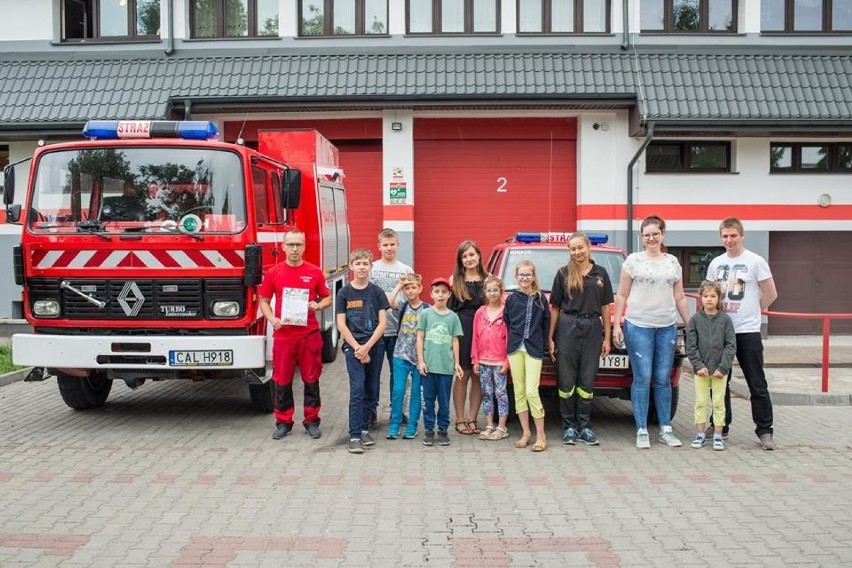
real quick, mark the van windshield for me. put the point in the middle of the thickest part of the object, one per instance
(135, 189)
(548, 261)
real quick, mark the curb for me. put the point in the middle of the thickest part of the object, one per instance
(14, 376)
(739, 388)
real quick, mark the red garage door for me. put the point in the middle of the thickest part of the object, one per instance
(485, 180)
(360, 145)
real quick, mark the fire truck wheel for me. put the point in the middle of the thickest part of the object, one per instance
(330, 345)
(652, 410)
(83, 393)
(263, 396)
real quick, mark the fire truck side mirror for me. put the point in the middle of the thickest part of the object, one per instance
(291, 189)
(8, 185)
(13, 213)
(254, 265)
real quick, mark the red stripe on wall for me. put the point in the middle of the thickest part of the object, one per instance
(398, 212)
(715, 212)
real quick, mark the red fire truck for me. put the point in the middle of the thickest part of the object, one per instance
(142, 249)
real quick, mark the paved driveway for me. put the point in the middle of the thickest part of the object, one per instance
(180, 474)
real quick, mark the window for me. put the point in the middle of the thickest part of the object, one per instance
(453, 16)
(806, 16)
(343, 17)
(694, 261)
(233, 18)
(86, 20)
(689, 16)
(809, 157)
(561, 17)
(688, 157)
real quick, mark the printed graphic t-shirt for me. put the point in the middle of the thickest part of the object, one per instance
(740, 279)
(361, 307)
(439, 330)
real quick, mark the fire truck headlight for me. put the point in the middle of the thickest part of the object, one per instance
(226, 309)
(46, 308)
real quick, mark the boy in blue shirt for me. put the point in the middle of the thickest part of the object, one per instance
(361, 319)
(438, 332)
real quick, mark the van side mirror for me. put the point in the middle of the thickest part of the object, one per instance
(8, 185)
(291, 188)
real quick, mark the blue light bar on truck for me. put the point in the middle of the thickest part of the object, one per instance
(530, 237)
(136, 129)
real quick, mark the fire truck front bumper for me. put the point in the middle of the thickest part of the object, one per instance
(120, 352)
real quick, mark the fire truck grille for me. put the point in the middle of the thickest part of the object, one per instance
(172, 300)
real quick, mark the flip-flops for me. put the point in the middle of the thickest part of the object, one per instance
(523, 442)
(540, 446)
(473, 429)
(463, 429)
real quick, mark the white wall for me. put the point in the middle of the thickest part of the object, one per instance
(27, 20)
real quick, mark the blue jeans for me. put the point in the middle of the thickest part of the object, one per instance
(651, 351)
(401, 369)
(363, 387)
(438, 387)
(389, 342)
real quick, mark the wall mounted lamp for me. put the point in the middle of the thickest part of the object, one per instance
(396, 126)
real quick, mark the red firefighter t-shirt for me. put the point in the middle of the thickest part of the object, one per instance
(296, 282)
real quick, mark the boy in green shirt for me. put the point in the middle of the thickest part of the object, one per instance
(438, 332)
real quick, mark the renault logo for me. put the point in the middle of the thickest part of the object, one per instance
(132, 308)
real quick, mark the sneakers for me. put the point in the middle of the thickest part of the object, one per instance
(281, 430)
(409, 434)
(767, 442)
(718, 444)
(443, 439)
(429, 438)
(355, 446)
(392, 435)
(366, 439)
(313, 430)
(587, 436)
(699, 442)
(668, 438)
(569, 437)
(643, 441)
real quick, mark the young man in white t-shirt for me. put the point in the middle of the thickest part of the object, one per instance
(386, 274)
(747, 289)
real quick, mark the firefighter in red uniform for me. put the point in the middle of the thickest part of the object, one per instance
(297, 338)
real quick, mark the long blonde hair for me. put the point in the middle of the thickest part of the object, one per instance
(574, 278)
(536, 287)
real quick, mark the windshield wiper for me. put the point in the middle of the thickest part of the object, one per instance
(93, 227)
(162, 229)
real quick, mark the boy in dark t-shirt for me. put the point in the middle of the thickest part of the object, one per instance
(361, 319)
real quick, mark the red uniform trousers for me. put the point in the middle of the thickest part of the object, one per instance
(307, 353)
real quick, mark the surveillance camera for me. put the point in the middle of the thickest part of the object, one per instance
(596, 126)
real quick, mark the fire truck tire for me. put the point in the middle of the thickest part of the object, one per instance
(652, 410)
(84, 393)
(263, 396)
(330, 345)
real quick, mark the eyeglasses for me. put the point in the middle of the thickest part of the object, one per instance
(294, 245)
(651, 235)
(492, 290)
(525, 275)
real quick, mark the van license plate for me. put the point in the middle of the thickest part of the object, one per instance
(202, 358)
(615, 362)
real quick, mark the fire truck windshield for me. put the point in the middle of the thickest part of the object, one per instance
(137, 189)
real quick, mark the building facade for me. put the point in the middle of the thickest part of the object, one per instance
(460, 119)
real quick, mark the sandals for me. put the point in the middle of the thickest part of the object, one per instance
(498, 433)
(463, 429)
(475, 429)
(523, 442)
(486, 434)
(540, 446)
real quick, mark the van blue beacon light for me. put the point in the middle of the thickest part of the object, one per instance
(139, 129)
(533, 237)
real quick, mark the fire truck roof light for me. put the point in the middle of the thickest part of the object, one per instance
(135, 129)
(530, 237)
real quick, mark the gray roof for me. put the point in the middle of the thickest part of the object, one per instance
(674, 88)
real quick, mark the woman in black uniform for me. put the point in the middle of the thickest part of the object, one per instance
(468, 295)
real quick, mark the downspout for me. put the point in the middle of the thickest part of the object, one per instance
(170, 26)
(649, 135)
(625, 33)
(187, 109)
